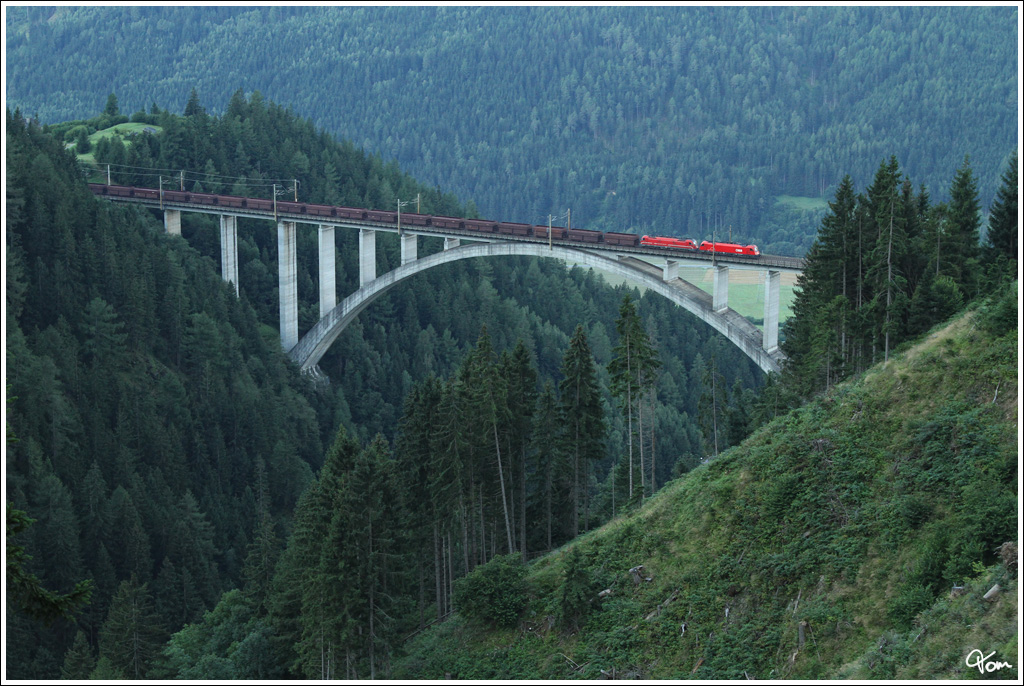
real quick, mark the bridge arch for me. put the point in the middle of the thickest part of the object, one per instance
(312, 347)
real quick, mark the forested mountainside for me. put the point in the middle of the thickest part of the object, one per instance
(173, 460)
(158, 436)
(669, 120)
(871, 534)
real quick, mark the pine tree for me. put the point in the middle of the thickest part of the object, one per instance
(633, 370)
(258, 570)
(413, 454)
(111, 108)
(574, 599)
(965, 222)
(551, 483)
(489, 398)
(1002, 221)
(521, 381)
(78, 661)
(131, 637)
(712, 407)
(583, 426)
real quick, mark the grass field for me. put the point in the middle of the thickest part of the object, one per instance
(122, 131)
(801, 203)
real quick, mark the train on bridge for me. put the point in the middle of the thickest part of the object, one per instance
(412, 219)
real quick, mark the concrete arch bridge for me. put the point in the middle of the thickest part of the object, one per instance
(627, 261)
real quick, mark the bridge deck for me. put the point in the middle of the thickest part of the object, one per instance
(684, 257)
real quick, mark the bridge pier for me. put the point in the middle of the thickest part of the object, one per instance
(367, 256)
(229, 249)
(450, 243)
(328, 289)
(772, 285)
(408, 241)
(720, 292)
(287, 281)
(671, 269)
(172, 222)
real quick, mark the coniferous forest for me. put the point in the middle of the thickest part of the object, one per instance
(681, 121)
(182, 502)
(145, 400)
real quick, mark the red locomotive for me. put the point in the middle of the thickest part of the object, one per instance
(668, 242)
(730, 249)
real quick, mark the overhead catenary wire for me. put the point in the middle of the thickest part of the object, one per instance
(224, 179)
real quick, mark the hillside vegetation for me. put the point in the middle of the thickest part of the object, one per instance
(827, 545)
(670, 120)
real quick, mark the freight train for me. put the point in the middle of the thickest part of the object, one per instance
(483, 226)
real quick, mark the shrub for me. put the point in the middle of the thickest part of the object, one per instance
(494, 592)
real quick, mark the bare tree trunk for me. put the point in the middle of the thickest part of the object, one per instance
(640, 432)
(888, 283)
(547, 501)
(652, 397)
(714, 402)
(438, 572)
(629, 413)
(501, 478)
(522, 499)
(465, 538)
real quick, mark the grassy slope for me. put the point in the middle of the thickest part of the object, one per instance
(855, 514)
(122, 131)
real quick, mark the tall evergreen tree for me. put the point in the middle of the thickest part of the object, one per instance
(132, 635)
(583, 425)
(965, 221)
(521, 381)
(1002, 222)
(78, 661)
(633, 369)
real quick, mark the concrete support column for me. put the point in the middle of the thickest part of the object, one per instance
(229, 249)
(367, 256)
(408, 241)
(172, 222)
(671, 270)
(772, 284)
(328, 290)
(720, 291)
(287, 284)
(450, 243)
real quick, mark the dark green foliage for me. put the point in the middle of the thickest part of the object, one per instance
(662, 120)
(79, 661)
(132, 635)
(886, 267)
(576, 598)
(111, 110)
(120, 414)
(999, 312)
(847, 521)
(147, 393)
(1002, 221)
(633, 371)
(25, 588)
(82, 144)
(582, 418)
(494, 592)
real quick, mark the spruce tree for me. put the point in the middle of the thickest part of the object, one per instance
(583, 425)
(520, 378)
(1002, 220)
(78, 661)
(965, 220)
(132, 636)
(633, 369)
